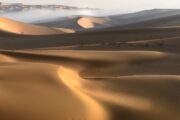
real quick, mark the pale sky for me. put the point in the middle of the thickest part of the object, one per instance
(123, 5)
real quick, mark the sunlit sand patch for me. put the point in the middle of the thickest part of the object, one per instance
(4, 58)
(76, 83)
(15, 27)
(66, 30)
(89, 22)
(71, 78)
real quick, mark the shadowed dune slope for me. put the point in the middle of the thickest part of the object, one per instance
(78, 23)
(98, 39)
(142, 19)
(170, 21)
(16, 27)
(89, 85)
(67, 22)
(150, 17)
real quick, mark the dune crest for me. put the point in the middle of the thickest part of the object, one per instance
(73, 81)
(16, 27)
(91, 22)
(75, 85)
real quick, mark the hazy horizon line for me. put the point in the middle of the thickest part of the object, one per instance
(120, 11)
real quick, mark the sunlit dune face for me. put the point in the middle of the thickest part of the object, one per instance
(4, 58)
(66, 30)
(94, 111)
(52, 87)
(83, 22)
(7, 25)
(90, 22)
(75, 82)
(11, 26)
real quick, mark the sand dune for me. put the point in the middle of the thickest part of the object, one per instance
(142, 19)
(91, 22)
(5, 59)
(63, 86)
(78, 23)
(67, 22)
(146, 18)
(99, 40)
(170, 21)
(15, 27)
(94, 74)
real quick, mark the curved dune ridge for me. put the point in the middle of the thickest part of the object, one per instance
(91, 22)
(4, 58)
(15, 27)
(67, 22)
(74, 85)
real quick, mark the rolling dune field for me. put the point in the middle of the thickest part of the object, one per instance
(51, 73)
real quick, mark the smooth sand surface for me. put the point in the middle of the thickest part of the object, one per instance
(16, 27)
(89, 85)
(131, 74)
